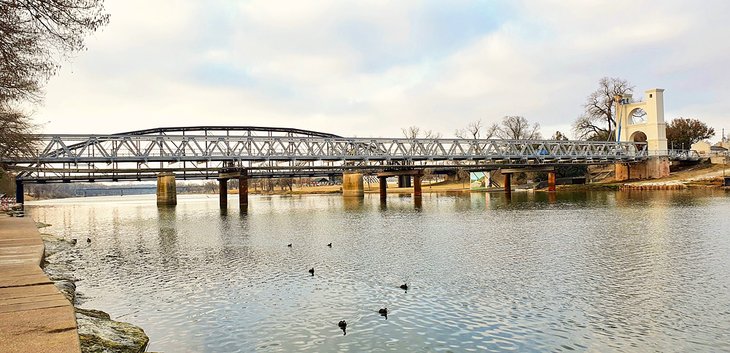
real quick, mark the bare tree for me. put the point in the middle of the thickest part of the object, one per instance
(15, 133)
(598, 121)
(559, 136)
(286, 183)
(34, 35)
(477, 130)
(515, 127)
(414, 132)
(463, 175)
(428, 176)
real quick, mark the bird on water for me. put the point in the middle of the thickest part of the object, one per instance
(289, 245)
(311, 270)
(343, 326)
(404, 286)
(330, 245)
(88, 240)
(383, 312)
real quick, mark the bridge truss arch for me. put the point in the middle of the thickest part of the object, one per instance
(203, 152)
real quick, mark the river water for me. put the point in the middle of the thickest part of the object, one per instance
(597, 271)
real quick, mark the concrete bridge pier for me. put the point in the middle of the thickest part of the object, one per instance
(507, 182)
(166, 191)
(352, 185)
(652, 168)
(383, 183)
(228, 174)
(243, 190)
(507, 172)
(404, 178)
(223, 193)
(551, 181)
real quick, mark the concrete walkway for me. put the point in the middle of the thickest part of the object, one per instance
(34, 315)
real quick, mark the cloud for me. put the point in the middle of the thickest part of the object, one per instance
(368, 69)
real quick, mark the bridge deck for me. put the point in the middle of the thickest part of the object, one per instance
(200, 154)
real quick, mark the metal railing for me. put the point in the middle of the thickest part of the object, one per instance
(140, 156)
(176, 148)
(683, 155)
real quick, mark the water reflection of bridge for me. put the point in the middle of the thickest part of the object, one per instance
(224, 152)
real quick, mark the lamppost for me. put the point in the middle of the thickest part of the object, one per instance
(617, 100)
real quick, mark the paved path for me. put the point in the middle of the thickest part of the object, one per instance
(34, 315)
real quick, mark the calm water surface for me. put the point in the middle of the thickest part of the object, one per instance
(623, 272)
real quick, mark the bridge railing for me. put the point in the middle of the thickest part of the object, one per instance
(176, 148)
(683, 155)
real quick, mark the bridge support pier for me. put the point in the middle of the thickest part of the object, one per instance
(383, 183)
(403, 176)
(507, 182)
(19, 192)
(166, 190)
(652, 168)
(352, 185)
(417, 185)
(551, 181)
(243, 190)
(223, 193)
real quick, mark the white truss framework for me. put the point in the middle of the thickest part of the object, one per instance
(64, 156)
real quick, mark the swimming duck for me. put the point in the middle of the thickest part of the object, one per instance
(311, 270)
(404, 286)
(330, 245)
(88, 240)
(343, 326)
(383, 311)
(289, 245)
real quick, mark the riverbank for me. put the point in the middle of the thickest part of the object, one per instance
(97, 332)
(698, 176)
(34, 315)
(38, 311)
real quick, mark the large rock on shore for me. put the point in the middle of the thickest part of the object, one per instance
(100, 334)
(58, 265)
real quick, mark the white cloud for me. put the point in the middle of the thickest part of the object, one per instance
(368, 69)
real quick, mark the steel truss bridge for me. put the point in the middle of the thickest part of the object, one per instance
(205, 151)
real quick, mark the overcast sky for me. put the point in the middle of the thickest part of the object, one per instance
(358, 68)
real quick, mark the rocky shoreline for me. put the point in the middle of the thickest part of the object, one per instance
(97, 331)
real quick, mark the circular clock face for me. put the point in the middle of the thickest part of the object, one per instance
(638, 116)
